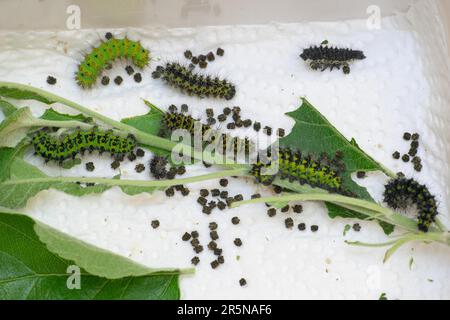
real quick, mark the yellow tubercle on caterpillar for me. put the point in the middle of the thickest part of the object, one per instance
(52, 148)
(107, 52)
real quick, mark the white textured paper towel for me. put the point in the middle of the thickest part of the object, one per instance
(399, 87)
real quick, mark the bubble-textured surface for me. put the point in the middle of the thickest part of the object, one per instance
(399, 87)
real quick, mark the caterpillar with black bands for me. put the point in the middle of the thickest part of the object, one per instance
(176, 120)
(400, 193)
(192, 83)
(324, 57)
(318, 173)
(100, 57)
(53, 148)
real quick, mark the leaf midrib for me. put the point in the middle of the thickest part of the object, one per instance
(40, 275)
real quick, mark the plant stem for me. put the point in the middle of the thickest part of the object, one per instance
(370, 245)
(133, 183)
(442, 238)
(368, 208)
(387, 171)
(61, 124)
(395, 218)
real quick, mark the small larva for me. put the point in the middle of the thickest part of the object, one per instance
(192, 83)
(401, 193)
(158, 167)
(52, 148)
(100, 57)
(175, 120)
(324, 57)
(294, 166)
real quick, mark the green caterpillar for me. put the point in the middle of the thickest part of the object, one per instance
(51, 148)
(192, 83)
(108, 51)
(292, 165)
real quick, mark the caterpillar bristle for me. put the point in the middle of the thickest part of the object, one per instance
(324, 57)
(305, 169)
(225, 143)
(54, 149)
(191, 83)
(401, 192)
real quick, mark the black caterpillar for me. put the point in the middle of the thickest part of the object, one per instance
(401, 193)
(158, 167)
(321, 173)
(52, 148)
(176, 120)
(324, 57)
(192, 83)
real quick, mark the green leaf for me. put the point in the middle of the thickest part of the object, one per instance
(20, 180)
(92, 259)
(7, 108)
(313, 133)
(14, 193)
(134, 190)
(15, 127)
(51, 114)
(354, 143)
(7, 156)
(29, 270)
(149, 123)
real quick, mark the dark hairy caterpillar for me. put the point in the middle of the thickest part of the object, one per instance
(53, 148)
(158, 166)
(108, 51)
(401, 193)
(192, 83)
(324, 57)
(176, 120)
(321, 173)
